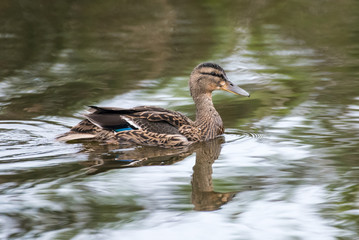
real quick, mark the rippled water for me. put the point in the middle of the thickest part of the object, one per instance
(287, 166)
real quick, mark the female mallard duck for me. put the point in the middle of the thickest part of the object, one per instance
(155, 126)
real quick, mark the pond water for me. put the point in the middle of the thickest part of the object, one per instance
(287, 166)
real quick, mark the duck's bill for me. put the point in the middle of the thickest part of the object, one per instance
(235, 89)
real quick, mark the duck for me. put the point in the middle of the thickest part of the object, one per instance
(156, 126)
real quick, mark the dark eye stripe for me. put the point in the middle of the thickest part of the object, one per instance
(213, 74)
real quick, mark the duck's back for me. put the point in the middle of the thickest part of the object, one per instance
(107, 122)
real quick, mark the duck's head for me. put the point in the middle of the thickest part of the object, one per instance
(207, 77)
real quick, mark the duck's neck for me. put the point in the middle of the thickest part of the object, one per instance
(208, 119)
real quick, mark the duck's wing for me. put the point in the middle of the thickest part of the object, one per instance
(148, 118)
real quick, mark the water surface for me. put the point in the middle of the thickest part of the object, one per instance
(286, 168)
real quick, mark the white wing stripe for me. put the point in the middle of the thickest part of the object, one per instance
(132, 123)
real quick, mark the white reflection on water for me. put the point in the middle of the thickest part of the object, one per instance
(271, 216)
(30, 144)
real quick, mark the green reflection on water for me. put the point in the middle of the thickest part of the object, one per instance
(72, 54)
(299, 59)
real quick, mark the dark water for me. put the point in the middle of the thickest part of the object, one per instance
(287, 168)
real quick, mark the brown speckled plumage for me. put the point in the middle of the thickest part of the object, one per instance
(155, 126)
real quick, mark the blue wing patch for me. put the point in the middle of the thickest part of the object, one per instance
(123, 129)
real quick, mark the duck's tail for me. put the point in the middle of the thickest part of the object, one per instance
(83, 130)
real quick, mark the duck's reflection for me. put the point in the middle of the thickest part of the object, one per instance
(204, 198)
(104, 158)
